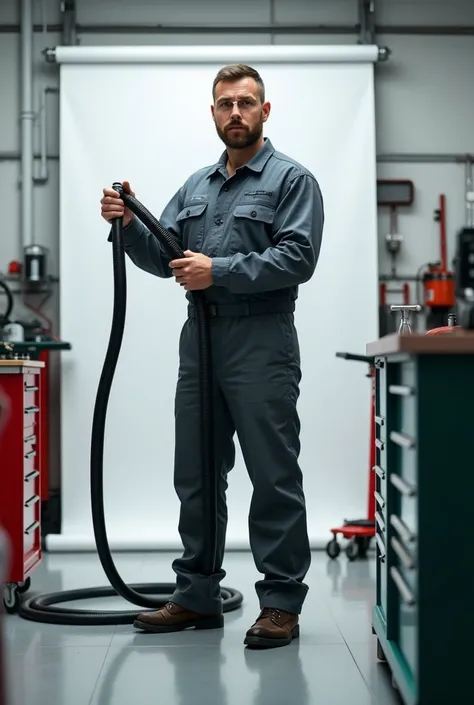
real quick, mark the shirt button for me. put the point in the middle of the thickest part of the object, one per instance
(253, 214)
(218, 221)
(226, 188)
(188, 212)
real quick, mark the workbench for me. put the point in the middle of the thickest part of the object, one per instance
(20, 474)
(424, 419)
(41, 350)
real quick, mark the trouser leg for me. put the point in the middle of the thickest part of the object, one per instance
(195, 591)
(261, 385)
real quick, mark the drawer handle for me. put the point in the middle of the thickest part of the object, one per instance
(32, 500)
(402, 486)
(402, 528)
(30, 454)
(379, 471)
(379, 499)
(31, 439)
(31, 409)
(381, 546)
(379, 420)
(401, 439)
(35, 525)
(400, 390)
(380, 444)
(405, 557)
(380, 521)
(405, 593)
(31, 475)
(31, 388)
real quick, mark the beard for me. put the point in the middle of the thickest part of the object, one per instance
(240, 140)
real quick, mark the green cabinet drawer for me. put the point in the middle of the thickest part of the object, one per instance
(405, 458)
(381, 399)
(406, 633)
(381, 569)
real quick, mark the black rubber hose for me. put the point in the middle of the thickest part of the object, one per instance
(41, 608)
(6, 316)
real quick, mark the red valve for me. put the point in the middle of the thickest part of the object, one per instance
(14, 267)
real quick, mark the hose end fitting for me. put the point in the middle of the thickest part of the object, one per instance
(117, 186)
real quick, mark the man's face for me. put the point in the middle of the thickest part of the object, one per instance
(239, 113)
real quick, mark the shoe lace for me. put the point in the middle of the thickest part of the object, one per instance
(273, 613)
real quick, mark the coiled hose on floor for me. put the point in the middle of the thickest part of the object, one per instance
(149, 596)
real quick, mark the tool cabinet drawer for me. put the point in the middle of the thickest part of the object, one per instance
(407, 620)
(30, 415)
(404, 558)
(402, 393)
(405, 456)
(31, 509)
(405, 506)
(380, 399)
(380, 427)
(30, 459)
(381, 452)
(405, 410)
(381, 506)
(382, 578)
(380, 488)
(32, 540)
(30, 393)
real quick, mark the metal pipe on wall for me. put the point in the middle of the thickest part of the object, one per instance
(469, 195)
(414, 158)
(304, 29)
(27, 117)
(13, 156)
(44, 174)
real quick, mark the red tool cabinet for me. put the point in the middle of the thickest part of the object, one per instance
(20, 474)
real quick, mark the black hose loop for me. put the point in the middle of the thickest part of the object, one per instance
(40, 608)
(5, 317)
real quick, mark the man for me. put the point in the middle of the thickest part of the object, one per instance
(250, 227)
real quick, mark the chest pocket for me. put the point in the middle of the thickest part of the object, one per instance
(191, 221)
(252, 228)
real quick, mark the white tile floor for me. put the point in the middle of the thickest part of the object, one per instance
(333, 662)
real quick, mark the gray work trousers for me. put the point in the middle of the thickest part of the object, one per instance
(256, 364)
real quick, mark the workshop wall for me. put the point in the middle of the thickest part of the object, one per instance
(424, 99)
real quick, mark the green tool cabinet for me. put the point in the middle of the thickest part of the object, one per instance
(424, 610)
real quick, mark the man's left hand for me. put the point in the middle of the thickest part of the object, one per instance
(194, 272)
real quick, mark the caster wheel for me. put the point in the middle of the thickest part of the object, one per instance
(333, 549)
(11, 598)
(380, 653)
(24, 587)
(352, 550)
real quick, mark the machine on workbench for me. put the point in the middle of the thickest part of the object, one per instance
(424, 612)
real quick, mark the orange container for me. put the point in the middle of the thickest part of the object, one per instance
(440, 289)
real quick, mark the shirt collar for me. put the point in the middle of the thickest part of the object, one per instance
(256, 164)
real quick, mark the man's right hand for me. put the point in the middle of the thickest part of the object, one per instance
(112, 205)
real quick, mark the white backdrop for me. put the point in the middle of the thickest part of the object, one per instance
(142, 114)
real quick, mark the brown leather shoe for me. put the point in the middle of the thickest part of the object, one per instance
(273, 627)
(174, 618)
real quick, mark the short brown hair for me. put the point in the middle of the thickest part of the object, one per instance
(234, 72)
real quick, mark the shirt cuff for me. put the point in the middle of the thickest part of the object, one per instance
(220, 271)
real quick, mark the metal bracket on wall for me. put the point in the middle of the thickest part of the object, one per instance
(69, 32)
(367, 21)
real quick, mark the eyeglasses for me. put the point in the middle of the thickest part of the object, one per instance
(243, 105)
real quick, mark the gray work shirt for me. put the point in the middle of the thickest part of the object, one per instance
(262, 227)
